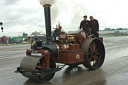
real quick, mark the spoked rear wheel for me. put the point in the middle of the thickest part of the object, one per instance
(94, 53)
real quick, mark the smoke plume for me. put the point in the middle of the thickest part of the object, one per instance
(70, 15)
(54, 10)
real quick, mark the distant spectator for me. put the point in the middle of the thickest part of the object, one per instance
(6, 42)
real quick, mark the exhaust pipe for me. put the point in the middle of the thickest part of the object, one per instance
(47, 22)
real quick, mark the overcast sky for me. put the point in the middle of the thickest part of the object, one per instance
(27, 16)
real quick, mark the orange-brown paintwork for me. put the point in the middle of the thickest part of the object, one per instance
(70, 57)
(46, 55)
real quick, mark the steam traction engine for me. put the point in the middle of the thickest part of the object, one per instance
(69, 49)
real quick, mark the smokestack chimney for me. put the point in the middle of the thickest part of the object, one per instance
(47, 22)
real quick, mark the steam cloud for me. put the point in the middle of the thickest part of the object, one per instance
(69, 15)
(54, 10)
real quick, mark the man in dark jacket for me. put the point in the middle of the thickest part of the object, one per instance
(94, 25)
(85, 25)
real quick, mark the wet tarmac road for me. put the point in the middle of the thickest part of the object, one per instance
(113, 72)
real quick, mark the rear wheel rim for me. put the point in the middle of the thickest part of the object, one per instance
(95, 54)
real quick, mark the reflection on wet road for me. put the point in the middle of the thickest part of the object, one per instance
(113, 72)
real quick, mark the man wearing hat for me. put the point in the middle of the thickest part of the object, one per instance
(94, 25)
(85, 25)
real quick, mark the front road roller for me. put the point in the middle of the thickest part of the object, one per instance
(94, 53)
(39, 67)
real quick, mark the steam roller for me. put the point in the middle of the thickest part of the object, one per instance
(68, 49)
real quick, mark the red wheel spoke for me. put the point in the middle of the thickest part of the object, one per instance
(97, 53)
(96, 50)
(94, 45)
(96, 57)
(95, 61)
(90, 58)
(91, 48)
(89, 53)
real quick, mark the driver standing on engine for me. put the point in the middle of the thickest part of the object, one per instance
(85, 25)
(94, 25)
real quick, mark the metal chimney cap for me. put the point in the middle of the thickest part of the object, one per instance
(46, 5)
